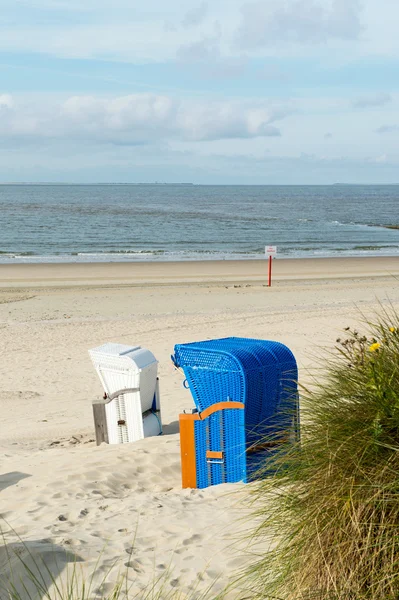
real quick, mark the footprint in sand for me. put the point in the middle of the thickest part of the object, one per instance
(189, 557)
(135, 565)
(194, 538)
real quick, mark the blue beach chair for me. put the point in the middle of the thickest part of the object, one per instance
(245, 392)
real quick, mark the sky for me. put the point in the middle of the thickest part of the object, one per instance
(209, 92)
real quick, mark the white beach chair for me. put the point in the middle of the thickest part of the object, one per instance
(130, 408)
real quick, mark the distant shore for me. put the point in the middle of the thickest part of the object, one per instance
(144, 274)
(83, 184)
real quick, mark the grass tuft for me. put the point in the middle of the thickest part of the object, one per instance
(56, 574)
(331, 511)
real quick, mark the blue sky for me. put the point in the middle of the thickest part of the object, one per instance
(229, 91)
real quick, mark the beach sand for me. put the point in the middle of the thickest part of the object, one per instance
(121, 508)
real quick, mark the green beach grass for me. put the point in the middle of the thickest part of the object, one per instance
(331, 512)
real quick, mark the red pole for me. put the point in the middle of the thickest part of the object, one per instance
(270, 271)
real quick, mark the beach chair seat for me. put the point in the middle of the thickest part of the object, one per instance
(130, 408)
(251, 387)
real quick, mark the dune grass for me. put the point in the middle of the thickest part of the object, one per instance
(331, 512)
(29, 576)
(32, 584)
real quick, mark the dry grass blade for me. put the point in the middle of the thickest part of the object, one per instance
(29, 577)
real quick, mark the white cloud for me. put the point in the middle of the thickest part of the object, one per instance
(374, 100)
(136, 32)
(204, 50)
(195, 15)
(382, 159)
(138, 119)
(388, 129)
(303, 21)
(206, 55)
(105, 29)
(218, 121)
(6, 101)
(224, 39)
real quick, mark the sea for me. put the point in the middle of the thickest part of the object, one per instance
(166, 222)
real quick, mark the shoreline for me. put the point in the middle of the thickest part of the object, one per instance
(165, 273)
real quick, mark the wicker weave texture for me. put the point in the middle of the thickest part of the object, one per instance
(260, 373)
(222, 431)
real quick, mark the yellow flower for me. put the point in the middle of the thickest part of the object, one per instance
(392, 329)
(374, 347)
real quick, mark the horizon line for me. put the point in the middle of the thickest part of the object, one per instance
(182, 183)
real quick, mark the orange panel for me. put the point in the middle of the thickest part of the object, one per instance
(189, 417)
(214, 454)
(220, 406)
(187, 451)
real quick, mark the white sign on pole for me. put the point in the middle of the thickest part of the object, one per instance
(270, 250)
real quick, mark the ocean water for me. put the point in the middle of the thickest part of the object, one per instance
(91, 223)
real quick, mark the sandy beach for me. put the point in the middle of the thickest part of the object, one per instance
(121, 508)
